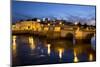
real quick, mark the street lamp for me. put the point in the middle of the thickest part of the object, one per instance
(60, 23)
(75, 23)
(48, 24)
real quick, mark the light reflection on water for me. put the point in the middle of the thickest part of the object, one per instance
(14, 46)
(31, 42)
(90, 57)
(75, 56)
(49, 51)
(60, 52)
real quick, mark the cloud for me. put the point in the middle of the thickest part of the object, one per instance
(91, 22)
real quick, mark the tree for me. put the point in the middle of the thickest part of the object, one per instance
(34, 19)
(79, 24)
(85, 25)
(21, 20)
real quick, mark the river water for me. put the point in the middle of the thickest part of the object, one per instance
(32, 50)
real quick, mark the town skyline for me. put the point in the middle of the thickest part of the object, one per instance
(28, 10)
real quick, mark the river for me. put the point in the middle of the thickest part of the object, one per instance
(32, 50)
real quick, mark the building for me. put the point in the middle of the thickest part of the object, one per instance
(27, 25)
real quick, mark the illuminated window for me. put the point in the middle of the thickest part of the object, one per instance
(57, 29)
(46, 28)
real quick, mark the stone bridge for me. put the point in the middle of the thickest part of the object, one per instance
(52, 31)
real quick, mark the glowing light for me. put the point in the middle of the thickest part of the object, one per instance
(75, 56)
(76, 59)
(60, 23)
(57, 29)
(49, 50)
(14, 45)
(14, 41)
(38, 20)
(48, 24)
(75, 23)
(31, 41)
(60, 53)
(90, 57)
(46, 28)
(78, 33)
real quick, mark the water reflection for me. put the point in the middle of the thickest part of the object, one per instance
(49, 49)
(31, 42)
(90, 57)
(39, 50)
(14, 46)
(75, 56)
(60, 52)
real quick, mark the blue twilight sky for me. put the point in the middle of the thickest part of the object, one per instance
(27, 10)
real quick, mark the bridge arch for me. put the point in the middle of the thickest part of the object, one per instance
(69, 36)
(88, 37)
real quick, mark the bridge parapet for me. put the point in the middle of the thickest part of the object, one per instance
(56, 30)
